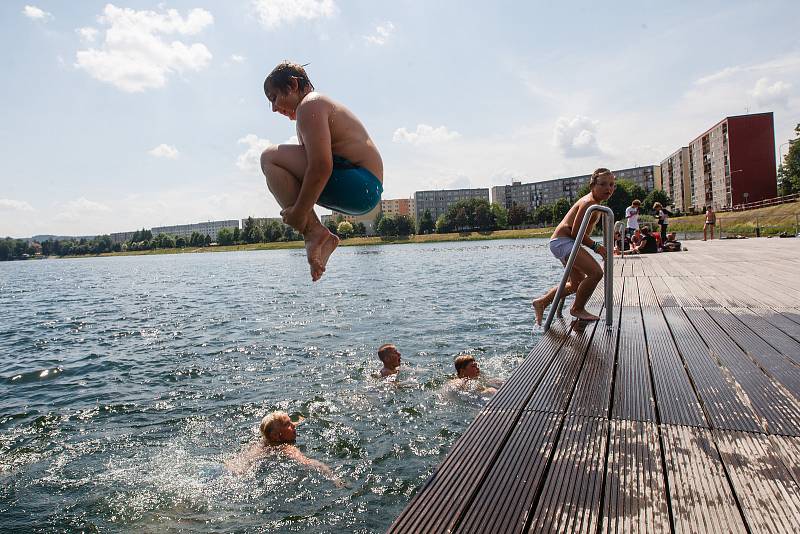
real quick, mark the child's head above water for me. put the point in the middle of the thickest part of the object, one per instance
(389, 355)
(466, 366)
(277, 427)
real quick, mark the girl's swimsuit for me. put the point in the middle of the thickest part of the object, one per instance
(351, 189)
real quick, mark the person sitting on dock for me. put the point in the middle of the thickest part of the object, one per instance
(278, 434)
(586, 272)
(467, 374)
(647, 244)
(390, 356)
(672, 244)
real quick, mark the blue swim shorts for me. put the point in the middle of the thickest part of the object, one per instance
(351, 189)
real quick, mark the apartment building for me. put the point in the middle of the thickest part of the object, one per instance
(210, 228)
(675, 179)
(121, 237)
(535, 194)
(399, 206)
(438, 201)
(733, 162)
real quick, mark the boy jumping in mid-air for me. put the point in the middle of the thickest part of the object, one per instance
(586, 273)
(336, 164)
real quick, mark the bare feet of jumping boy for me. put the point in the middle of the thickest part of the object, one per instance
(320, 244)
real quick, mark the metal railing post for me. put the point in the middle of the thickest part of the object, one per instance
(608, 243)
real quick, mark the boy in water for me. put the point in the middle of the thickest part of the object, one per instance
(278, 433)
(586, 272)
(467, 371)
(336, 164)
(390, 356)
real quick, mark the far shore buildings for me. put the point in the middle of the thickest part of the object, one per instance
(535, 194)
(399, 206)
(438, 201)
(368, 219)
(731, 163)
(210, 228)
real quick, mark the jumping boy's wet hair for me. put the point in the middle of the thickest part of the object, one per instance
(280, 79)
(597, 174)
(384, 350)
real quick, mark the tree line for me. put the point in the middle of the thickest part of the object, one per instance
(789, 168)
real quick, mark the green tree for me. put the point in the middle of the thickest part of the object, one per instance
(331, 226)
(225, 236)
(207, 240)
(403, 225)
(271, 231)
(442, 224)
(359, 229)
(237, 234)
(248, 228)
(789, 169)
(656, 195)
(426, 224)
(500, 216)
(516, 215)
(622, 197)
(560, 209)
(387, 227)
(484, 219)
(344, 229)
(180, 242)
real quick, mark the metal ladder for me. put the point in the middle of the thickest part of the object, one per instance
(608, 276)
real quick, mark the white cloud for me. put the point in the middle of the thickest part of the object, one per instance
(7, 204)
(80, 208)
(33, 12)
(136, 54)
(164, 151)
(87, 34)
(576, 137)
(775, 95)
(424, 135)
(271, 13)
(381, 34)
(249, 161)
(237, 58)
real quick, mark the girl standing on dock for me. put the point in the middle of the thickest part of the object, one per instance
(586, 272)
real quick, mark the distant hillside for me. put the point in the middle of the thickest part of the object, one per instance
(45, 237)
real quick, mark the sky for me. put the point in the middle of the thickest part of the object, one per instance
(134, 114)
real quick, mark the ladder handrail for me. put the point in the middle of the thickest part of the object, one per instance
(608, 275)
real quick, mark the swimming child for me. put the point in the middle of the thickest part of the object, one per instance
(390, 356)
(586, 272)
(336, 164)
(467, 373)
(278, 434)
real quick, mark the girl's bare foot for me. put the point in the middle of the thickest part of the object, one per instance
(538, 306)
(320, 244)
(583, 315)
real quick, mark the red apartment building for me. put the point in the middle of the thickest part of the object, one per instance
(733, 162)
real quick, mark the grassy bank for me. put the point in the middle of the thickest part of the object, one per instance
(353, 242)
(771, 220)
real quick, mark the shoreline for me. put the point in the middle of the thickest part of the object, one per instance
(351, 242)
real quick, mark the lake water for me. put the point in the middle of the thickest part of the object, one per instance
(126, 382)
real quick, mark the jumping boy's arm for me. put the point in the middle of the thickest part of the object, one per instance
(312, 124)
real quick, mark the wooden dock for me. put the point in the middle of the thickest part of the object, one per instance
(683, 417)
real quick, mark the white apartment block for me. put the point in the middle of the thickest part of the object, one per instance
(210, 228)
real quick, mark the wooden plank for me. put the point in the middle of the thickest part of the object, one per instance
(675, 397)
(720, 401)
(788, 450)
(770, 402)
(446, 494)
(504, 500)
(516, 391)
(700, 496)
(767, 493)
(706, 296)
(663, 292)
(769, 359)
(635, 499)
(570, 498)
(786, 326)
(684, 296)
(647, 295)
(633, 395)
(555, 390)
